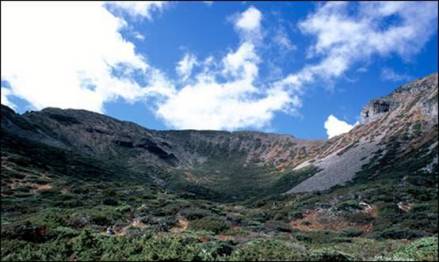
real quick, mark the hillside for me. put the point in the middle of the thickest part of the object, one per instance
(68, 175)
(391, 128)
(193, 160)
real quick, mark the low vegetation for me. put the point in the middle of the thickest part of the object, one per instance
(57, 205)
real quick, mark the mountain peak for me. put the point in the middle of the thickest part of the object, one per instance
(417, 93)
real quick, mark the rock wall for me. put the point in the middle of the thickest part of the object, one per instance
(375, 109)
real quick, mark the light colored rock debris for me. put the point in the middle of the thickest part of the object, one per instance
(337, 169)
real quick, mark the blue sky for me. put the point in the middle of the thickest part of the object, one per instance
(298, 68)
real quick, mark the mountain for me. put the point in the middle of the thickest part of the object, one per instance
(407, 117)
(195, 158)
(392, 127)
(379, 180)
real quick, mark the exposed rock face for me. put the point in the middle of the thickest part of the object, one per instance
(338, 168)
(408, 115)
(422, 93)
(375, 109)
(111, 139)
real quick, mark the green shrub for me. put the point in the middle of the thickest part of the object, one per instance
(194, 213)
(421, 249)
(424, 249)
(328, 255)
(268, 250)
(110, 202)
(101, 220)
(278, 226)
(168, 248)
(213, 224)
(27, 231)
(69, 204)
(86, 246)
(352, 232)
(400, 233)
(124, 209)
(349, 205)
(66, 232)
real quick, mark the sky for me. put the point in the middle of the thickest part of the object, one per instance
(299, 68)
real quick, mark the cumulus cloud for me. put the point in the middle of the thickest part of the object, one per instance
(249, 20)
(390, 75)
(248, 24)
(345, 35)
(224, 94)
(335, 127)
(56, 59)
(138, 8)
(240, 101)
(211, 105)
(60, 60)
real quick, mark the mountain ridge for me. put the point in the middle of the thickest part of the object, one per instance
(179, 152)
(93, 187)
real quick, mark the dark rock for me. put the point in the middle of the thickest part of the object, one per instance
(64, 119)
(127, 144)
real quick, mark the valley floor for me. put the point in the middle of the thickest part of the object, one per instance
(115, 221)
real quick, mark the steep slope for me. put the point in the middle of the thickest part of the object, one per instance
(214, 164)
(108, 138)
(238, 165)
(391, 128)
(33, 159)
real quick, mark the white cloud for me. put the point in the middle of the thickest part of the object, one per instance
(390, 75)
(58, 60)
(242, 63)
(236, 102)
(139, 8)
(337, 30)
(224, 94)
(5, 92)
(335, 127)
(248, 24)
(345, 37)
(249, 20)
(211, 105)
(62, 61)
(185, 66)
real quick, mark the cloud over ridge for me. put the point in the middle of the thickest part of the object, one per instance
(62, 61)
(335, 126)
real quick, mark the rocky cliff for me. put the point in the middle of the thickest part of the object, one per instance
(398, 124)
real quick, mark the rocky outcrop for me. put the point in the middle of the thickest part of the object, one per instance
(421, 93)
(406, 118)
(375, 109)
